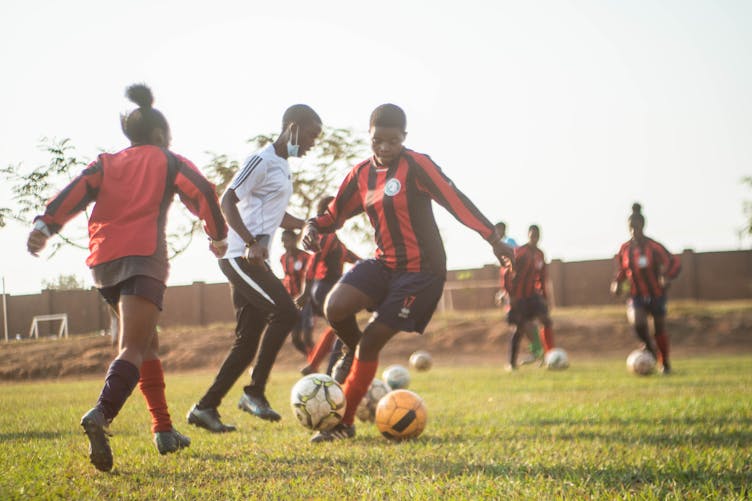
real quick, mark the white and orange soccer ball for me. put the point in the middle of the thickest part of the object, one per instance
(401, 415)
(421, 360)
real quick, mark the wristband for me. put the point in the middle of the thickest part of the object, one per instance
(40, 225)
(218, 243)
(250, 243)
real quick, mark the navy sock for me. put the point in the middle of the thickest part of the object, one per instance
(121, 378)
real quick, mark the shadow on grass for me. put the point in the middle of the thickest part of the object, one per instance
(31, 435)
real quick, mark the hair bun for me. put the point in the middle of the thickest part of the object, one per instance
(636, 208)
(140, 94)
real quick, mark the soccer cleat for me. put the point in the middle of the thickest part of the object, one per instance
(258, 406)
(95, 426)
(339, 432)
(666, 369)
(530, 358)
(208, 419)
(307, 369)
(342, 366)
(170, 441)
(510, 368)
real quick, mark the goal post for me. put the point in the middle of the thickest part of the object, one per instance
(61, 317)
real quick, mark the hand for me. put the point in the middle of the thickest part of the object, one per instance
(36, 242)
(615, 288)
(218, 247)
(504, 253)
(257, 254)
(301, 300)
(665, 282)
(311, 238)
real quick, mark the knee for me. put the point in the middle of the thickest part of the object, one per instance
(334, 310)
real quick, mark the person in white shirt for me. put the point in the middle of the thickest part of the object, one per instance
(254, 206)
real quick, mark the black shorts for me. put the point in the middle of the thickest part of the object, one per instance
(319, 290)
(527, 309)
(656, 306)
(405, 300)
(148, 288)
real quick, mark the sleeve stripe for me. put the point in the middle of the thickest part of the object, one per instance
(247, 169)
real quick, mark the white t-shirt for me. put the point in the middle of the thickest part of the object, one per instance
(263, 187)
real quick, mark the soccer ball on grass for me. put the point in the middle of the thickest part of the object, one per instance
(397, 377)
(401, 415)
(366, 410)
(318, 402)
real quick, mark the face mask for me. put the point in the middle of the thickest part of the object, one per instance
(293, 149)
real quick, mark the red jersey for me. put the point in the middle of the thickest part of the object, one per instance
(644, 265)
(529, 276)
(397, 199)
(132, 190)
(327, 264)
(294, 266)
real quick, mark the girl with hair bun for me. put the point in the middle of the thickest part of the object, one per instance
(132, 191)
(649, 268)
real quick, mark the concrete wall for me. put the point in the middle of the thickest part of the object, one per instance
(706, 276)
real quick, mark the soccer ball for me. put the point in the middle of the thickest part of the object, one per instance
(420, 360)
(318, 402)
(400, 415)
(641, 362)
(556, 359)
(366, 410)
(396, 376)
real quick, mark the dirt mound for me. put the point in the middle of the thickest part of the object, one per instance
(452, 339)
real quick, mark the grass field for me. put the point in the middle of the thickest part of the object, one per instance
(592, 431)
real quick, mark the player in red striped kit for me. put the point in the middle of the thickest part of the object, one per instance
(649, 268)
(294, 264)
(132, 191)
(403, 284)
(324, 269)
(526, 285)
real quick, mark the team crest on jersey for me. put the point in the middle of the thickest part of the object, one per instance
(298, 266)
(392, 187)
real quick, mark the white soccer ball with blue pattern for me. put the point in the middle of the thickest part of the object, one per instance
(318, 402)
(397, 377)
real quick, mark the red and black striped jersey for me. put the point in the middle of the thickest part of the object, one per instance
(294, 266)
(397, 200)
(327, 263)
(528, 278)
(132, 190)
(643, 264)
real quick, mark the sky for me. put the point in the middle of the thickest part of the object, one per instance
(560, 113)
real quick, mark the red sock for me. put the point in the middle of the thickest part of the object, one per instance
(322, 348)
(356, 386)
(662, 341)
(152, 386)
(547, 339)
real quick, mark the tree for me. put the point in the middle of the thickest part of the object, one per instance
(319, 175)
(64, 282)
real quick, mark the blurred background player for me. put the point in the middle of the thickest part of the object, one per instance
(324, 269)
(649, 268)
(294, 263)
(526, 285)
(502, 300)
(255, 205)
(403, 284)
(132, 191)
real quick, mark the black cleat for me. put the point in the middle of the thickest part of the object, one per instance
(340, 432)
(208, 419)
(258, 406)
(170, 441)
(95, 426)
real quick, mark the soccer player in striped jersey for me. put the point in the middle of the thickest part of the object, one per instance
(403, 283)
(255, 205)
(294, 263)
(649, 268)
(324, 269)
(132, 191)
(526, 285)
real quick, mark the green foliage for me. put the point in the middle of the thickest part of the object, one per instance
(591, 432)
(747, 209)
(32, 189)
(64, 282)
